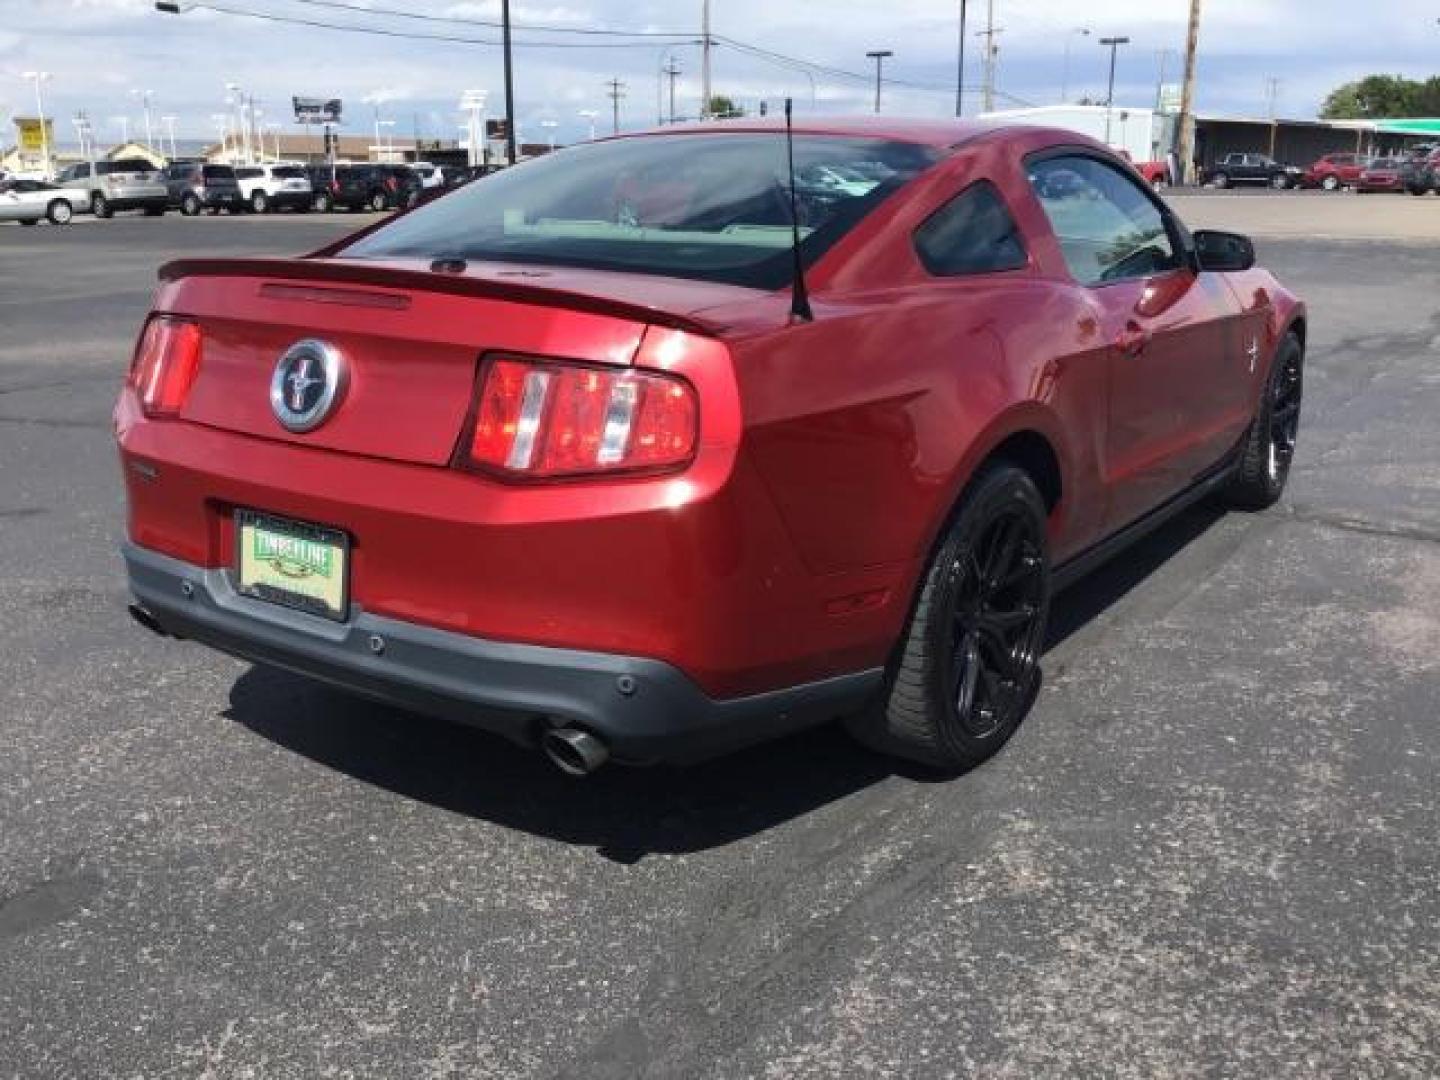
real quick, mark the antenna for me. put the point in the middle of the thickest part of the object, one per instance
(799, 295)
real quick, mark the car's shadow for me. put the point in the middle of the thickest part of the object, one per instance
(624, 813)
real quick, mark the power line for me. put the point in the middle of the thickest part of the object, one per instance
(361, 9)
(413, 35)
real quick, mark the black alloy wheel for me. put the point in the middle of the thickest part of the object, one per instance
(1286, 388)
(968, 666)
(1269, 447)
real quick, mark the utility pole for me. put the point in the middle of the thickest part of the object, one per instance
(705, 87)
(672, 70)
(509, 85)
(39, 78)
(960, 66)
(987, 100)
(1114, 43)
(878, 55)
(615, 93)
(1186, 120)
(1272, 94)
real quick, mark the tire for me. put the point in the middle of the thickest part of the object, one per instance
(100, 206)
(1220, 180)
(190, 205)
(1331, 183)
(1269, 446)
(377, 202)
(260, 202)
(59, 212)
(1280, 182)
(967, 668)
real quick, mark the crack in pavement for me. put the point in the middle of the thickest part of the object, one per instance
(1365, 526)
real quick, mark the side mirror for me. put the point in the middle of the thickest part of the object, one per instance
(1223, 252)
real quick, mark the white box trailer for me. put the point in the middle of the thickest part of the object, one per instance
(1141, 133)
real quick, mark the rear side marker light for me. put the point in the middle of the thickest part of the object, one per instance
(541, 420)
(165, 365)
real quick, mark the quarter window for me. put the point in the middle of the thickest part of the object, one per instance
(1107, 226)
(971, 234)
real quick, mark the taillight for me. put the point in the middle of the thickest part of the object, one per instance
(541, 419)
(166, 362)
(335, 186)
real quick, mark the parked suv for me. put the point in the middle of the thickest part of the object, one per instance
(275, 187)
(1254, 169)
(1334, 171)
(123, 184)
(366, 187)
(194, 186)
(1421, 173)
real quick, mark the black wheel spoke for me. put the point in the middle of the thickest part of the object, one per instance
(1002, 623)
(967, 668)
(1002, 656)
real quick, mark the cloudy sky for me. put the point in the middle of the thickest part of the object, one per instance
(100, 52)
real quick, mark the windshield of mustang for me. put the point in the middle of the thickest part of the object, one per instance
(713, 206)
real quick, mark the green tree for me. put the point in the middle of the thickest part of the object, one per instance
(1382, 97)
(722, 106)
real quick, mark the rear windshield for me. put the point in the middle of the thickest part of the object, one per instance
(124, 165)
(710, 206)
(219, 172)
(288, 172)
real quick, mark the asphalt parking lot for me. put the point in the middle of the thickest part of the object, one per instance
(1212, 850)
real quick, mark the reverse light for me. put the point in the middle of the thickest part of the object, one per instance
(165, 365)
(542, 419)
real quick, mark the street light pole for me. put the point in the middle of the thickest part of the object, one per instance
(1065, 69)
(144, 96)
(169, 122)
(39, 77)
(590, 115)
(960, 66)
(878, 55)
(1114, 43)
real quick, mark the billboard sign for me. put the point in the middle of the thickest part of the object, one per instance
(33, 137)
(310, 110)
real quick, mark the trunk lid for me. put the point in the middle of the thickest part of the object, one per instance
(412, 339)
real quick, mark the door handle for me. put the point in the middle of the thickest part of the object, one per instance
(1133, 339)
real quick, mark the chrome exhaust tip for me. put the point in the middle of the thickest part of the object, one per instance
(574, 752)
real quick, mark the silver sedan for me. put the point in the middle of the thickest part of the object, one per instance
(29, 201)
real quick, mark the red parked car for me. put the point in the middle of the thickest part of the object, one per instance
(1382, 174)
(1334, 171)
(593, 454)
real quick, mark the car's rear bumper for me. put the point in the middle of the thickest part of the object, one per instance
(137, 202)
(644, 709)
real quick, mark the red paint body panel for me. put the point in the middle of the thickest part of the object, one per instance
(830, 452)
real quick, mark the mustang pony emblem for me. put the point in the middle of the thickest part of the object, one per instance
(308, 382)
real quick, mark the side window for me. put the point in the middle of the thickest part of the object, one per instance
(1107, 226)
(82, 172)
(971, 234)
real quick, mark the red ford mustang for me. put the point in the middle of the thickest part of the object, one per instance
(571, 455)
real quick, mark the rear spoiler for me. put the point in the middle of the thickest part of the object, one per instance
(354, 272)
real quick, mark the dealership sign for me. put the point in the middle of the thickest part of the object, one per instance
(33, 135)
(317, 110)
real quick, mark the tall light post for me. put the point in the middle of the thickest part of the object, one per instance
(1114, 43)
(879, 56)
(123, 122)
(591, 115)
(144, 98)
(960, 66)
(1083, 31)
(274, 128)
(169, 122)
(473, 103)
(39, 78)
(235, 98)
(222, 123)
